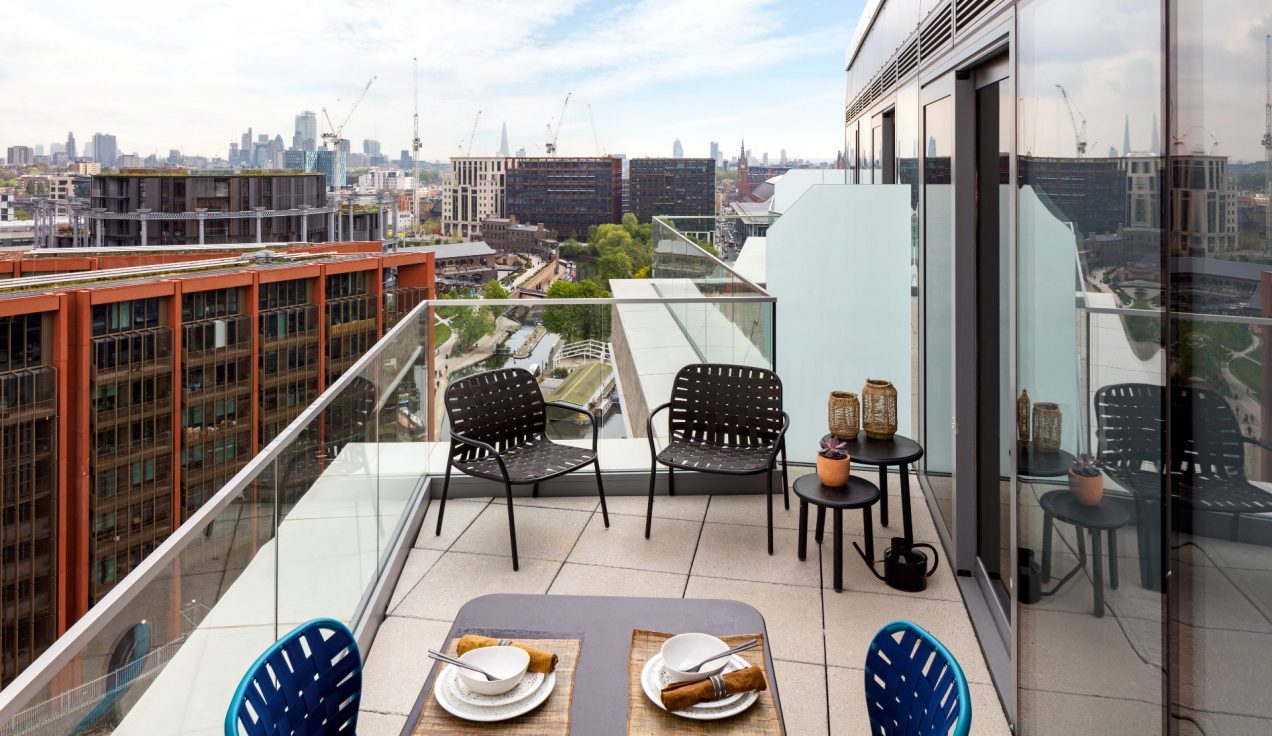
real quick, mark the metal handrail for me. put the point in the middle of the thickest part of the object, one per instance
(28, 684)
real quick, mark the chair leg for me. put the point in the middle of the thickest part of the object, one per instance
(534, 492)
(671, 481)
(1048, 528)
(649, 510)
(512, 527)
(786, 484)
(441, 506)
(770, 510)
(600, 491)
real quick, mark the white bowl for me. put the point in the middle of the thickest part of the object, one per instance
(506, 664)
(686, 650)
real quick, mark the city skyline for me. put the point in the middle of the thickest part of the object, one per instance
(658, 78)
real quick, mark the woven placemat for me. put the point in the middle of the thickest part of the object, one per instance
(646, 719)
(549, 719)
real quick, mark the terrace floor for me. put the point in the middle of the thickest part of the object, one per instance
(702, 547)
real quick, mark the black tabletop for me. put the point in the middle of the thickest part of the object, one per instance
(605, 625)
(1064, 505)
(1033, 462)
(857, 493)
(895, 451)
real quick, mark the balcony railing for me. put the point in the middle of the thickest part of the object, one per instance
(319, 523)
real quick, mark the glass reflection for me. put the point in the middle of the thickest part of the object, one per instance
(938, 324)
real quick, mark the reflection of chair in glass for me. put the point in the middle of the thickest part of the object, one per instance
(1207, 456)
(125, 664)
(914, 686)
(310, 682)
(498, 423)
(724, 419)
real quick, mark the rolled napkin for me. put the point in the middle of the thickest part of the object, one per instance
(540, 661)
(681, 695)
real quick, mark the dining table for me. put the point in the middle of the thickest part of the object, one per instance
(604, 628)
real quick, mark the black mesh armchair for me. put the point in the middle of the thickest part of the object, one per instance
(498, 423)
(724, 419)
(1207, 456)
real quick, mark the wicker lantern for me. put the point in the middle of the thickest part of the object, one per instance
(1046, 426)
(843, 413)
(879, 409)
(1022, 416)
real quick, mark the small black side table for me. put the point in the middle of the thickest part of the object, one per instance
(899, 451)
(1035, 463)
(859, 493)
(1107, 517)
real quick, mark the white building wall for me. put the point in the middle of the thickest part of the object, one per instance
(473, 189)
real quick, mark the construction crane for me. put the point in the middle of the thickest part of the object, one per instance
(1079, 133)
(467, 148)
(551, 146)
(415, 149)
(1267, 137)
(333, 138)
(595, 141)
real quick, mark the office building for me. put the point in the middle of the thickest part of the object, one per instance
(473, 189)
(506, 235)
(568, 195)
(677, 150)
(503, 141)
(127, 403)
(71, 153)
(20, 156)
(88, 168)
(715, 152)
(105, 150)
(331, 164)
(305, 135)
(671, 186)
(230, 202)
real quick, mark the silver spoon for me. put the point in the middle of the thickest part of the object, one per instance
(459, 663)
(739, 648)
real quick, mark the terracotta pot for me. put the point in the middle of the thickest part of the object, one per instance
(1088, 489)
(833, 472)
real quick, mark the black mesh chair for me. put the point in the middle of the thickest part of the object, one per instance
(498, 423)
(1207, 472)
(724, 419)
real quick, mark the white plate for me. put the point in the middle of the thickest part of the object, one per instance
(652, 682)
(489, 713)
(528, 685)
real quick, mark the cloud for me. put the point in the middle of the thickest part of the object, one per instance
(195, 75)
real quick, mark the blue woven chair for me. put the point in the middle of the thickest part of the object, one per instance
(914, 686)
(307, 684)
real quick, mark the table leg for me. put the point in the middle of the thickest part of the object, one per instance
(868, 517)
(1078, 532)
(821, 523)
(907, 521)
(1113, 559)
(1048, 526)
(839, 549)
(803, 529)
(1098, 564)
(883, 495)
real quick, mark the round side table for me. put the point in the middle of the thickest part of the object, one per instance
(1035, 463)
(858, 493)
(900, 451)
(1063, 505)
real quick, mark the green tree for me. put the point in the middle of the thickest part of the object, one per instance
(584, 322)
(616, 265)
(494, 290)
(631, 224)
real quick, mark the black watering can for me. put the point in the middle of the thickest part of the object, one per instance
(906, 568)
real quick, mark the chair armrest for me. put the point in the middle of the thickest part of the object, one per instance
(649, 429)
(1256, 443)
(581, 410)
(781, 437)
(482, 445)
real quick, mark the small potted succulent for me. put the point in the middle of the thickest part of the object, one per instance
(1086, 480)
(833, 462)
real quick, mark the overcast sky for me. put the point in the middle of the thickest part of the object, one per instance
(195, 76)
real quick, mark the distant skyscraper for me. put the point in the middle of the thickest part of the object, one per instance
(306, 136)
(715, 152)
(233, 155)
(39, 149)
(1112, 151)
(70, 146)
(677, 150)
(521, 153)
(105, 150)
(782, 157)
(56, 148)
(503, 141)
(20, 155)
(764, 159)
(1126, 137)
(370, 147)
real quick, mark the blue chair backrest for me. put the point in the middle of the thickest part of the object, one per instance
(914, 686)
(308, 683)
